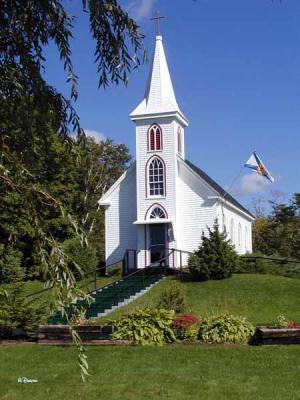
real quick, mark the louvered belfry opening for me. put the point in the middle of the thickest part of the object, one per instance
(155, 138)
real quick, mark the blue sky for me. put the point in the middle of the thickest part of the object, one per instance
(235, 67)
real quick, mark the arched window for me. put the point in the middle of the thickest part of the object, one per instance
(157, 213)
(155, 138)
(246, 239)
(179, 142)
(232, 231)
(156, 177)
(224, 224)
(240, 235)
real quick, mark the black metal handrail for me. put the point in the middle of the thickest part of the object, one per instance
(93, 271)
(136, 272)
(278, 260)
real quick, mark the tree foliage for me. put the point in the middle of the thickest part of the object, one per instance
(279, 233)
(37, 155)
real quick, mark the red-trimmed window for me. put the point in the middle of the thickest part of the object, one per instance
(179, 143)
(155, 138)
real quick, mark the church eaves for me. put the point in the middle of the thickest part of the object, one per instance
(159, 98)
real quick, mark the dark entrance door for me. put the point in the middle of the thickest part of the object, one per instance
(157, 242)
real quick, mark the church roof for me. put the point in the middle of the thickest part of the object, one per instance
(159, 98)
(217, 187)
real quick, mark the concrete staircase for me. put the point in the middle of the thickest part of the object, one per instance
(113, 296)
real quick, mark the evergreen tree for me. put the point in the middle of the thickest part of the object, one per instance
(215, 258)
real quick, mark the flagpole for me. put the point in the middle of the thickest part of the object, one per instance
(227, 192)
(232, 183)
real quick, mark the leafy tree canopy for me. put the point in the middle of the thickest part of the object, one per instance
(279, 233)
(41, 167)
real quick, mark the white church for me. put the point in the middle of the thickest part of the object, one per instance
(163, 201)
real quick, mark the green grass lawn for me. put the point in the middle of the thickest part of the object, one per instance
(175, 371)
(136, 373)
(260, 298)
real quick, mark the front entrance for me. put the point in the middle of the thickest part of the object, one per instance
(157, 236)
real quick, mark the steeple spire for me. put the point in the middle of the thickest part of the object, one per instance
(159, 98)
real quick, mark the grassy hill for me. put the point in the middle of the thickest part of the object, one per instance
(260, 298)
(177, 371)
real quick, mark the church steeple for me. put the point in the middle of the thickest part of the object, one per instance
(159, 98)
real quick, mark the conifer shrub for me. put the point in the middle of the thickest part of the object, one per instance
(215, 258)
(16, 311)
(84, 256)
(11, 270)
(226, 329)
(173, 297)
(146, 327)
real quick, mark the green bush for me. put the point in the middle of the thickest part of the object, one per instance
(84, 256)
(226, 329)
(255, 265)
(16, 311)
(173, 298)
(215, 258)
(146, 327)
(273, 265)
(282, 322)
(10, 265)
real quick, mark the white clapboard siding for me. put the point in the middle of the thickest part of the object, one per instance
(120, 233)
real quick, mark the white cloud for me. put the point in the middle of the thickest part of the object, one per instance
(141, 9)
(98, 136)
(252, 183)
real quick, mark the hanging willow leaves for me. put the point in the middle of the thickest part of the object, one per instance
(35, 116)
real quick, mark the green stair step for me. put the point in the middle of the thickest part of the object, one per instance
(111, 295)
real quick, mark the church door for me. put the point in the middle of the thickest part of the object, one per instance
(157, 242)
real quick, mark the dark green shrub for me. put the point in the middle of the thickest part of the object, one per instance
(10, 265)
(226, 329)
(84, 256)
(16, 311)
(146, 327)
(252, 264)
(173, 298)
(215, 258)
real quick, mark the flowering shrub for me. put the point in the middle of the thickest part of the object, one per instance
(283, 322)
(294, 325)
(186, 327)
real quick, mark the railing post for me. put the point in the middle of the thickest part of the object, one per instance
(128, 259)
(180, 252)
(134, 261)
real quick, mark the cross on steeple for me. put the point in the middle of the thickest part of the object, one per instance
(157, 19)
